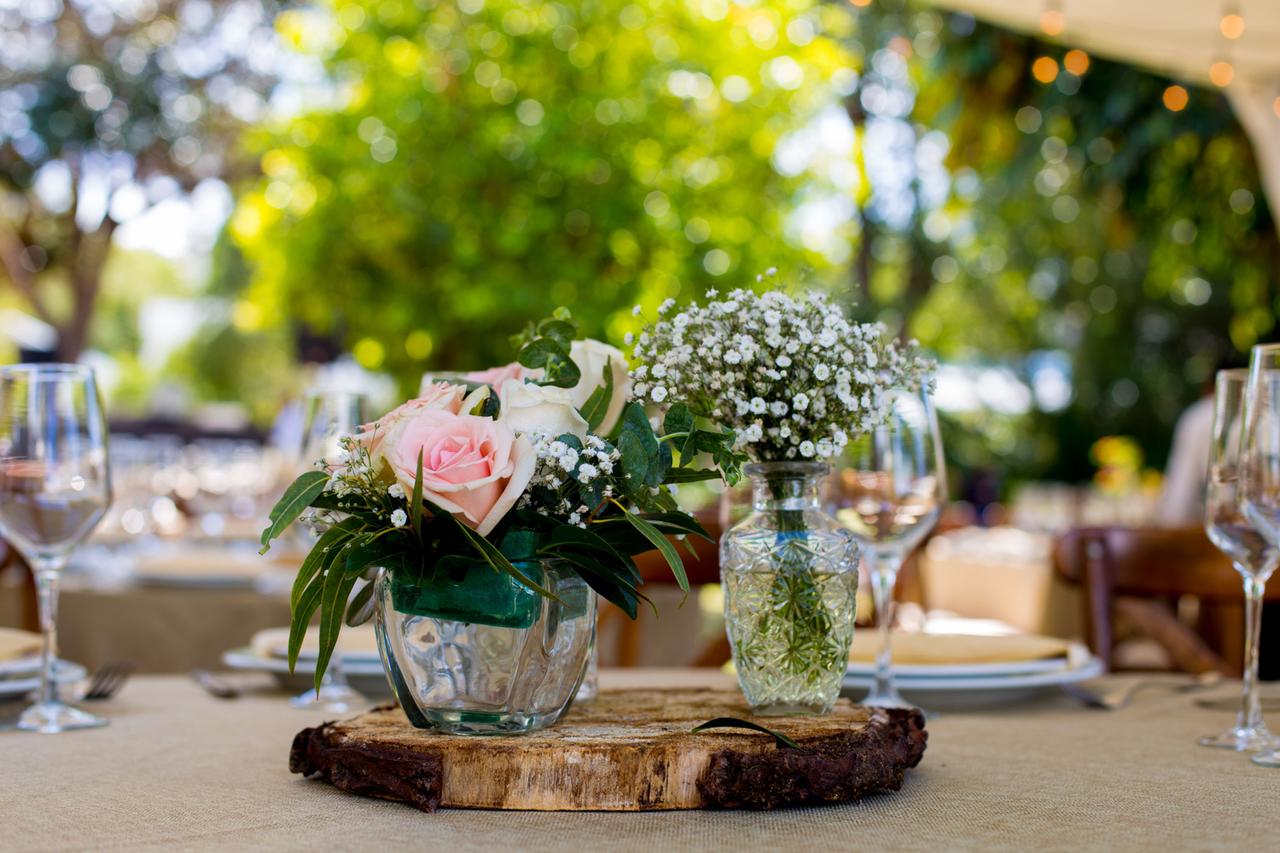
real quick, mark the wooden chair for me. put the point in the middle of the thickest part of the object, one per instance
(1137, 572)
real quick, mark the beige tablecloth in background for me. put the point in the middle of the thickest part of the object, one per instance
(178, 769)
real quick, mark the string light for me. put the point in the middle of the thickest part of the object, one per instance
(1222, 73)
(1175, 98)
(1076, 61)
(1053, 20)
(1045, 69)
(1232, 23)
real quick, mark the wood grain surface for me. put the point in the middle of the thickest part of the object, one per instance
(630, 750)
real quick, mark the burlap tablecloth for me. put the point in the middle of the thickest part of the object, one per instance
(177, 769)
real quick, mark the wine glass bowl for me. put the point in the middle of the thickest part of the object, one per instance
(889, 495)
(55, 486)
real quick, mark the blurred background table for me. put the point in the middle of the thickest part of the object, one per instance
(177, 768)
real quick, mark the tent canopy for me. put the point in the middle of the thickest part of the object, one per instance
(1178, 38)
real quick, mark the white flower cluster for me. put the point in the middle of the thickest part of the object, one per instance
(793, 377)
(560, 465)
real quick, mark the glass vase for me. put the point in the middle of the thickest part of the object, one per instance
(790, 577)
(478, 655)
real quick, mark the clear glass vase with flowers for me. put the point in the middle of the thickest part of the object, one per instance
(476, 522)
(792, 378)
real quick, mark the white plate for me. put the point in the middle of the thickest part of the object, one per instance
(970, 691)
(365, 675)
(969, 670)
(64, 672)
(20, 666)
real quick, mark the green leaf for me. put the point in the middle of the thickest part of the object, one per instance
(314, 562)
(333, 604)
(678, 420)
(415, 503)
(597, 405)
(678, 522)
(560, 331)
(360, 610)
(550, 355)
(300, 617)
(664, 546)
(690, 475)
(295, 499)
(383, 549)
(782, 741)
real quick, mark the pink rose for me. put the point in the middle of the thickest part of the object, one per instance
(439, 396)
(495, 376)
(472, 466)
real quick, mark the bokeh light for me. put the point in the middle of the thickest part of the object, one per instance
(1045, 69)
(1175, 98)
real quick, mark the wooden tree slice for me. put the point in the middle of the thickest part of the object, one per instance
(630, 750)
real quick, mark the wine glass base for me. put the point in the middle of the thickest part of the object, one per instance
(1242, 739)
(330, 698)
(48, 718)
(1268, 759)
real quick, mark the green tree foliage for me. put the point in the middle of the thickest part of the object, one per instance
(105, 110)
(487, 161)
(1083, 217)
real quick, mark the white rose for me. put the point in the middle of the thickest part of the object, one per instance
(526, 407)
(591, 356)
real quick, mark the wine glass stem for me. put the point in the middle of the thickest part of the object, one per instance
(1251, 705)
(47, 574)
(884, 576)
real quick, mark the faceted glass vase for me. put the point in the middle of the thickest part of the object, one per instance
(790, 577)
(480, 656)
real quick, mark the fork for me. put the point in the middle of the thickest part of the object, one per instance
(1117, 699)
(107, 680)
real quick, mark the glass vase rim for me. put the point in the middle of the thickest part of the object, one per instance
(793, 467)
(47, 369)
(1237, 373)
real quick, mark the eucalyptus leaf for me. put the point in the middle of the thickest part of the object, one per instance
(664, 546)
(295, 499)
(597, 405)
(782, 741)
(678, 420)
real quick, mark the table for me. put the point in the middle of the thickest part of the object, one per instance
(178, 769)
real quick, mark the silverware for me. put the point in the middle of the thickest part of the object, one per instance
(1120, 697)
(213, 685)
(107, 681)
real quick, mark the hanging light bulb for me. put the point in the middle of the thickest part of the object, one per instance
(1232, 23)
(1175, 98)
(1222, 73)
(1053, 20)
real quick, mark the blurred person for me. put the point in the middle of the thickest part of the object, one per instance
(1181, 501)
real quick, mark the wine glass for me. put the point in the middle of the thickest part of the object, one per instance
(55, 486)
(1252, 555)
(890, 495)
(1260, 460)
(330, 415)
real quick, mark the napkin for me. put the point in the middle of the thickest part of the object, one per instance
(16, 644)
(953, 649)
(353, 642)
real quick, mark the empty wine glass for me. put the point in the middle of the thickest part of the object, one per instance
(890, 495)
(1260, 458)
(54, 488)
(330, 415)
(1251, 554)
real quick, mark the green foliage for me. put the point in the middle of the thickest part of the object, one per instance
(484, 166)
(780, 740)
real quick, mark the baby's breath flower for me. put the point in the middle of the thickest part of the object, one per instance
(399, 518)
(395, 490)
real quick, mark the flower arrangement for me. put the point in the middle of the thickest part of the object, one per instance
(794, 380)
(547, 458)
(793, 377)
